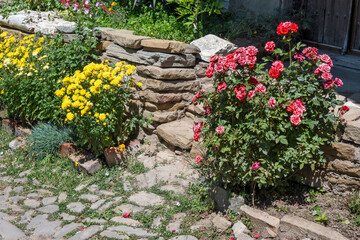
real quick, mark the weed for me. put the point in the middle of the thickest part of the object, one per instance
(322, 218)
(247, 221)
(314, 195)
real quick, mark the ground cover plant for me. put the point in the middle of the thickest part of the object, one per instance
(262, 126)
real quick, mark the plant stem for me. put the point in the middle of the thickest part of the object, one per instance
(253, 193)
(290, 51)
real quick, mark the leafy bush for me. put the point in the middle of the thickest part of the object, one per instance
(97, 102)
(31, 68)
(353, 203)
(46, 139)
(263, 125)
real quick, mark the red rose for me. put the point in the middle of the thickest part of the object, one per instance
(221, 86)
(253, 81)
(345, 108)
(274, 73)
(198, 159)
(291, 108)
(282, 30)
(328, 84)
(219, 67)
(294, 27)
(196, 136)
(209, 72)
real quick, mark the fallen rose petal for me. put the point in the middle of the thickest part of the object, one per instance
(126, 215)
(256, 236)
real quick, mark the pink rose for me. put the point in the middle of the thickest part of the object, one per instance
(317, 71)
(278, 65)
(207, 110)
(260, 88)
(326, 59)
(338, 82)
(324, 68)
(269, 46)
(221, 86)
(300, 57)
(197, 127)
(198, 159)
(295, 119)
(251, 50)
(197, 136)
(255, 166)
(272, 103)
(311, 53)
(219, 67)
(220, 130)
(251, 94)
(326, 76)
(250, 60)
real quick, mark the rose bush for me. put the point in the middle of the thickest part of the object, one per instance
(261, 126)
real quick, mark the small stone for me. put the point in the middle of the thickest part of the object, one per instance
(95, 220)
(145, 199)
(177, 133)
(124, 208)
(236, 202)
(221, 223)
(20, 180)
(62, 197)
(45, 192)
(112, 235)
(219, 195)
(24, 173)
(173, 188)
(239, 228)
(87, 233)
(174, 226)
(260, 219)
(32, 203)
(106, 193)
(49, 209)
(67, 217)
(89, 197)
(39, 219)
(97, 204)
(125, 221)
(26, 217)
(16, 143)
(18, 189)
(67, 229)
(7, 190)
(49, 200)
(93, 188)
(6, 217)
(184, 237)
(47, 228)
(157, 222)
(16, 199)
(90, 166)
(80, 187)
(132, 231)
(109, 204)
(34, 196)
(76, 207)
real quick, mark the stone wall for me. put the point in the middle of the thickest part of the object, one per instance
(341, 173)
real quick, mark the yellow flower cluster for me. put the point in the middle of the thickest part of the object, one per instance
(82, 90)
(16, 51)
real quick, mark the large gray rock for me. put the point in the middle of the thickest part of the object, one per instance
(260, 219)
(132, 231)
(9, 231)
(150, 58)
(66, 229)
(47, 228)
(212, 45)
(293, 227)
(352, 132)
(145, 199)
(178, 133)
(87, 233)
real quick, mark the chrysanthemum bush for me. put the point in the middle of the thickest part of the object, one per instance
(30, 68)
(98, 104)
(266, 121)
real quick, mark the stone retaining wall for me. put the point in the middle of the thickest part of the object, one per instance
(341, 173)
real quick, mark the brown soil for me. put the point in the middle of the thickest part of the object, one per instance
(296, 199)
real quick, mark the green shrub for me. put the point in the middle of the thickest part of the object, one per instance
(261, 125)
(354, 203)
(46, 139)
